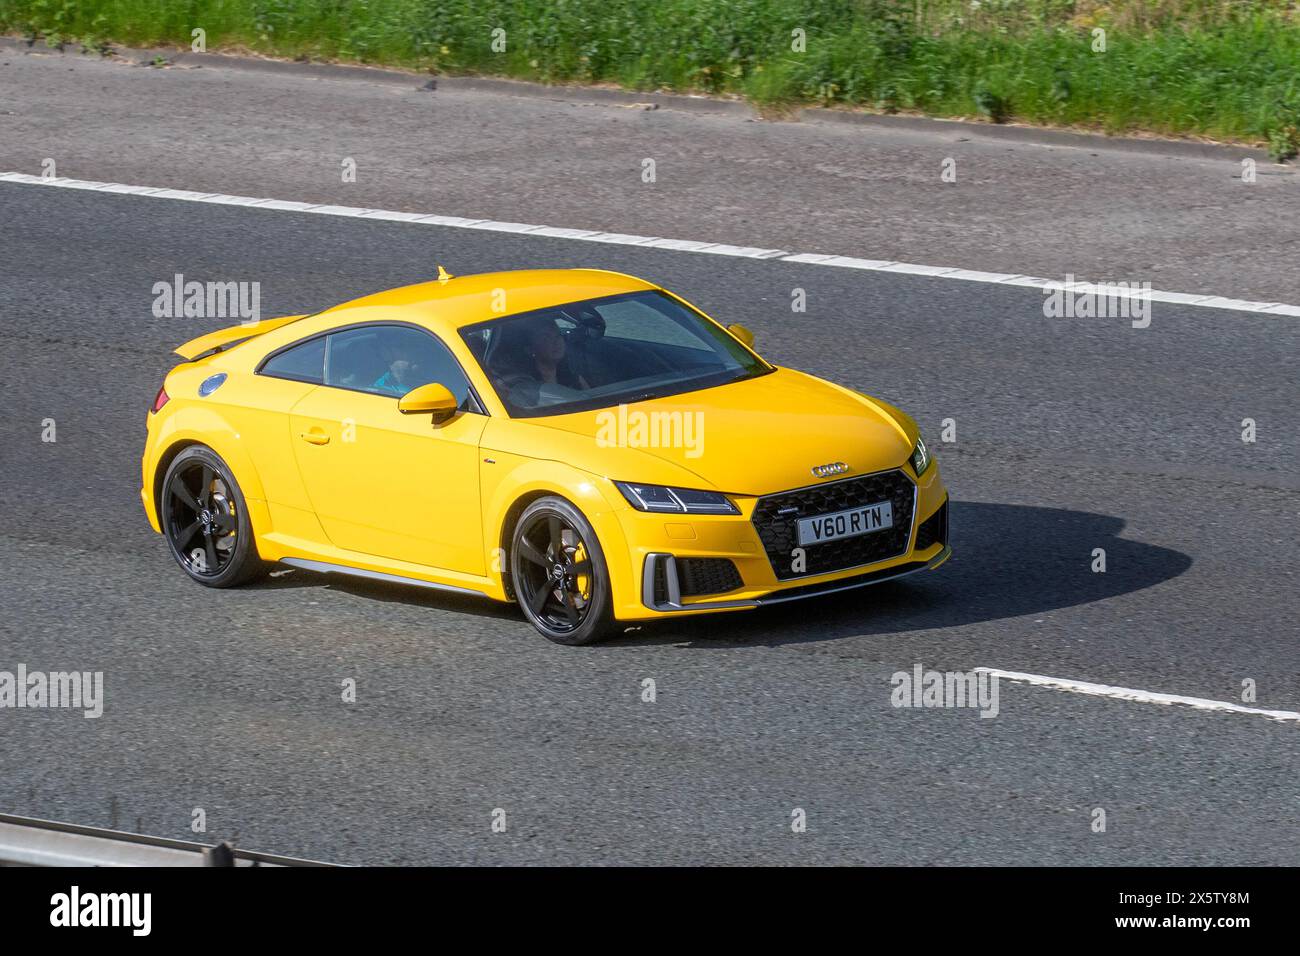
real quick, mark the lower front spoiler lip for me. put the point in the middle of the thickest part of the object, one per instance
(777, 597)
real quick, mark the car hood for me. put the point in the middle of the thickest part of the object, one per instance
(751, 437)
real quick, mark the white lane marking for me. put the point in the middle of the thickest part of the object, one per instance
(1140, 696)
(651, 242)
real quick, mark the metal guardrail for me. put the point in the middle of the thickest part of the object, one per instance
(26, 841)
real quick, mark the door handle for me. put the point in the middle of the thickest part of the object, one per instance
(315, 437)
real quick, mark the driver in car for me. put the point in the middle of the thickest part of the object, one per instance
(401, 375)
(546, 350)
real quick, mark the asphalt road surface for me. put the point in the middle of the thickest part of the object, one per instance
(1071, 435)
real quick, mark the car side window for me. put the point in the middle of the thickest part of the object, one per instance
(302, 363)
(392, 360)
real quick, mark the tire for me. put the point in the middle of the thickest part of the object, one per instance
(572, 605)
(199, 484)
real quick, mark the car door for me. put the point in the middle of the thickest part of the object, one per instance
(381, 482)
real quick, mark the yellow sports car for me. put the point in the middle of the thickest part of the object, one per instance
(581, 442)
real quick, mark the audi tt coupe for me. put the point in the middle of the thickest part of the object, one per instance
(583, 443)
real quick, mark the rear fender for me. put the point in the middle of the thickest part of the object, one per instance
(202, 426)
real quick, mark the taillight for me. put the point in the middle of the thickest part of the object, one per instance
(161, 399)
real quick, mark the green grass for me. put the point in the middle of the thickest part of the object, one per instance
(1224, 70)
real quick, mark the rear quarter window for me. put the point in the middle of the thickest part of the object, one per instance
(302, 363)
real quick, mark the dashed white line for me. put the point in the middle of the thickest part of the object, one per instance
(1140, 696)
(652, 242)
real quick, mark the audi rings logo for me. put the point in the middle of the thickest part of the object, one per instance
(834, 468)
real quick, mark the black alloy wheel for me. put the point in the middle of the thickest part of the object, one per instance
(559, 575)
(205, 521)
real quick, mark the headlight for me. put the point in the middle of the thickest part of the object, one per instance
(920, 457)
(676, 500)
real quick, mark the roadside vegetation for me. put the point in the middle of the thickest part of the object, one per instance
(1221, 69)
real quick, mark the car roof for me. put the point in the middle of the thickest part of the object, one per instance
(449, 304)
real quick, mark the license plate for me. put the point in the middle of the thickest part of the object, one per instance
(846, 524)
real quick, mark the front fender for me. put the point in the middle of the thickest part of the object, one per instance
(510, 482)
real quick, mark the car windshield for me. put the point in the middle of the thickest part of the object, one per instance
(608, 351)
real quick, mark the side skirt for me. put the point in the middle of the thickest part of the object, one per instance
(324, 567)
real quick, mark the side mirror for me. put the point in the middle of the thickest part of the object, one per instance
(434, 398)
(742, 333)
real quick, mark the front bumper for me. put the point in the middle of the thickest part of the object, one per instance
(666, 565)
(702, 564)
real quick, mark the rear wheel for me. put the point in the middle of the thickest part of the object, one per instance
(559, 573)
(205, 520)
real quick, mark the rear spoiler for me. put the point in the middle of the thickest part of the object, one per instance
(223, 339)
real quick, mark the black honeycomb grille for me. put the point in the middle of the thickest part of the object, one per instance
(776, 519)
(707, 576)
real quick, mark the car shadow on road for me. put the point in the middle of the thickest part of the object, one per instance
(1008, 561)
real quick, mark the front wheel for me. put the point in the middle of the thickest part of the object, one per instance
(559, 573)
